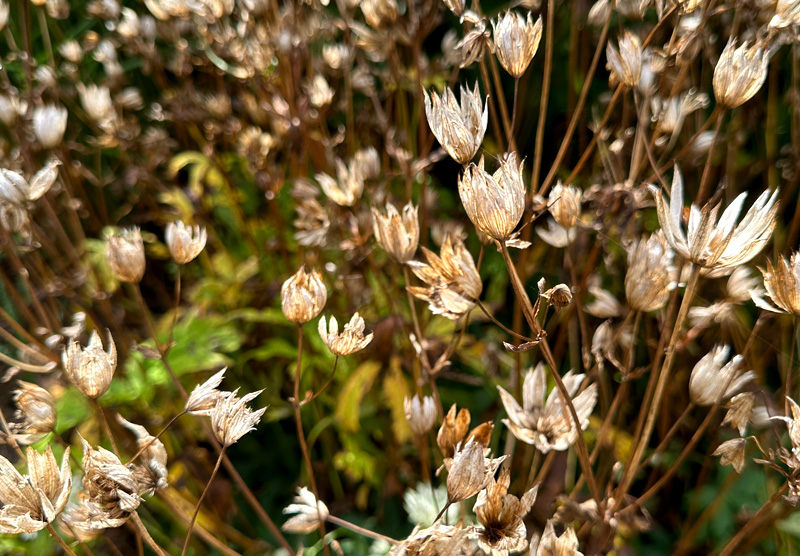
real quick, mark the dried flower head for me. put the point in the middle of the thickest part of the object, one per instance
(303, 296)
(455, 284)
(516, 41)
(782, 282)
(231, 418)
(125, 255)
(91, 368)
(398, 235)
(36, 413)
(740, 409)
(470, 471)
(651, 273)
(501, 517)
(453, 430)
(715, 378)
(150, 468)
(547, 424)
(558, 296)
(564, 203)
(438, 540)
(320, 94)
(459, 128)
(739, 73)
(185, 242)
(49, 124)
(421, 414)
(552, 545)
(379, 13)
(716, 245)
(30, 504)
(475, 42)
(787, 14)
(307, 510)
(456, 6)
(16, 190)
(352, 338)
(108, 483)
(345, 190)
(626, 63)
(205, 396)
(732, 452)
(494, 203)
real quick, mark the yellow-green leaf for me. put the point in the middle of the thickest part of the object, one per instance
(349, 403)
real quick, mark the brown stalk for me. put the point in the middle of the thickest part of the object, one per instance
(200, 501)
(545, 98)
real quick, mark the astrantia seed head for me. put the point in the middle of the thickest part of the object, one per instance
(516, 41)
(714, 378)
(352, 338)
(782, 282)
(185, 242)
(494, 202)
(397, 234)
(205, 396)
(231, 418)
(739, 73)
(49, 124)
(125, 255)
(626, 63)
(420, 414)
(91, 368)
(303, 296)
(307, 510)
(459, 128)
(650, 273)
(36, 413)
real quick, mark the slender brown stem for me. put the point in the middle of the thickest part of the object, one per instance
(301, 436)
(175, 308)
(200, 501)
(156, 437)
(545, 98)
(501, 101)
(360, 530)
(321, 390)
(753, 523)
(146, 535)
(702, 194)
(104, 423)
(486, 312)
(64, 546)
(672, 430)
(513, 114)
(788, 391)
(415, 319)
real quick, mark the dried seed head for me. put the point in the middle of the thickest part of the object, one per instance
(651, 273)
(90, 369)
(303, 296)
(713, 379)
(16, 191)
(782, 282)
(125, 255)
(49, 124)
(36, 413)
(732, 452)
(454, 281)
(456, 6)
(347, 189)
(185, 242)
(352, 338)
(546, 424)
(319, 92)
(516, 41)
(150, 469)
(29, 505)
(739, 73)
(453, 430)
(740, 408)
(96, 100)
(205, 396)
(719, 246)
(470, 471)
(379, 13)
(552, 545)
(564, 203)
(559, 296)
(459, 128)
(501, 516)
(307, 510)
(231, 418)
(368, 163)
(438, 540)
(625, 63)
(494, 203)
(398, 235)
(475, 43)
(107, 482)
(787, 14)
(421, 414)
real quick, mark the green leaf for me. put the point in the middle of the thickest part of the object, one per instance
(349, 404)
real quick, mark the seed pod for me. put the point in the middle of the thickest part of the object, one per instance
(352, 338)
(185, 242)
(516, 41)
(49, 124)
(739, 73)
(398, 235)
(732, 453)
(125, 255)
(459, 128)
(91, 369)
(420, 414)
(303, 296)
(494, 203)
(626, 63)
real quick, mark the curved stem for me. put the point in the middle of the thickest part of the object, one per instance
(156, 437)
(106, 427)
(321, 390)
(672, 430)
(64, 546)
(752, 523)
(200, 501)
(482, 307)
(417, 330)
(360, 530)
(146, 534)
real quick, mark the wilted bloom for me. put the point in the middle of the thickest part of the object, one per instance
(30, 504)
(456, 6)
(205, 396)
(787, 14)
(319, 92)
(739, 73)
(716, 245)
(125, 255)
(347, 189)
(650, 273)
(303, 296)
(626, 63)
(453, 430)
(564, 203)
(547, 424)
(49, 124)
(501, 517)
(398, 235)
(782, 282)
(715, 378)
(421, 414)
(96, 100)
(231, 418)
(352, 338)
(793, 426)
(455, 284)
(475, 42)
(368, 163)
(494, 203)
(379, 12)
(16, 190)
(91, 368)
(185, 242)
(732, 452)
(438, 540)
(307, 510)
(516, 41)
(36, 413)
(552, 545)
(470, 471)
(555, 235)
(150, 468)
(459, 129)
(558, 296)
(740, 408)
